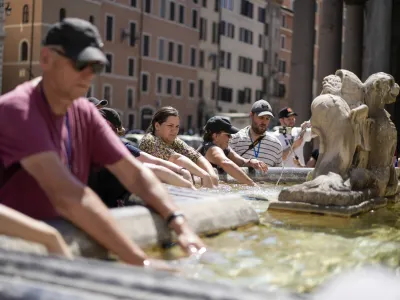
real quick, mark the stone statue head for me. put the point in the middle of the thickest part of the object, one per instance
(352, 88)
(380, 89)
(331, 84)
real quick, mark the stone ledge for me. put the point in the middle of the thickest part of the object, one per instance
(27, 276)
(207, 214)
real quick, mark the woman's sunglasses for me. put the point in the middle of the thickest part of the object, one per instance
(96, 67)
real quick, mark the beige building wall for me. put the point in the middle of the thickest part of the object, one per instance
(207, 74)
(120, 87)
(233, 78)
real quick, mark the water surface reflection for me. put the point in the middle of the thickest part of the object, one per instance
(294, 251)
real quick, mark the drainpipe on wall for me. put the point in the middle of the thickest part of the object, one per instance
(139, 66)
(31, 42)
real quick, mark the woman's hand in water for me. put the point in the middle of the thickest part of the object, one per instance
(207, 181)
(185, 174)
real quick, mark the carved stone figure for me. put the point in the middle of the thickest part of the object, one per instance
(357, 142)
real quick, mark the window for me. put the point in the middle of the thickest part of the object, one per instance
(228, 4)
(200, 88)
(203, 29)
(227, 29)
(191, 89)
(245, 65)
(246, 36)
(222, 58)
(215, 34)
(147, 6)
(131, 67)
(260, 40)
(228, 60)
(180, 54)
(193, 57)
(205, 3)
(62, 14)
(159, 85)
(261, 14)
(244, 96)
(145, 83)
(109, 28)
(259, 95)
(172, 11)
(25, 14)
(283, 21)
(246, 9)
(146, 45)
(282, 66)
(260, 68)
(283, 41)
(23, 51)
(132, 34)
(169, 86)
(133, 3)
(201, 59)
(163, 8)
(161, 49)
(178, 87)
(91, 19)
(181, 14)
(171, 51)
(213, 88)
(194, 18)
(107, 93)
(129, 98)
(225, 94)
(110, 63)
(131, 121)
(216, 5)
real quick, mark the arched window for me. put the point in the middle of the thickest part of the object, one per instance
(25, 14)
(23, 51)
(129, 98)
(63, 14)
(91, 19)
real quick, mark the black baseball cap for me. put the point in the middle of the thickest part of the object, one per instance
(112, 116)
(98, 102)
(218, 124)
(79, 39)
(262, 108)
(286, 113)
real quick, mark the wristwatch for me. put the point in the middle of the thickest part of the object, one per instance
(171, 217)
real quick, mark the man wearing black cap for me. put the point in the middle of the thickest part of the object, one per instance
(254, 142)
(98, 103)
(50, 135)
(215, 149)
(292, 138)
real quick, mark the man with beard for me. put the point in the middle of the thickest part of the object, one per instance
(254, 141)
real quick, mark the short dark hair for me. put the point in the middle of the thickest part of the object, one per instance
(161, 116)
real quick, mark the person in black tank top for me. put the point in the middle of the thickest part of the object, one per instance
(215, 149)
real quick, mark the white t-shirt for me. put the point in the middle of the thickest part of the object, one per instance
(288, 139)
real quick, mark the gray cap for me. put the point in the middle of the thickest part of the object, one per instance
(262, 108)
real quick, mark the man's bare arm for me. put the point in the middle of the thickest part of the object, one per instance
(80, 205)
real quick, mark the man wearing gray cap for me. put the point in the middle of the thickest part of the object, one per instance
(254, 141)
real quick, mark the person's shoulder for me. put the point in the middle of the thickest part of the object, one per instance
(273, 137)
(18, 101)
(241, 133)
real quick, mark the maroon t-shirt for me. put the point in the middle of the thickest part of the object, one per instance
(28, 126)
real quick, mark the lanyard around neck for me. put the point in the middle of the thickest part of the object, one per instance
(68, 144)
(254, 148)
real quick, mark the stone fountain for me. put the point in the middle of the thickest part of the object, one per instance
(355, 171)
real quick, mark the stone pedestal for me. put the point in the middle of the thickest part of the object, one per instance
(377, 37)
(330, 39)
(353, 38)
(301, 77)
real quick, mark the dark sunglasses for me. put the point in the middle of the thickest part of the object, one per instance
(96, 67)
(227, 134)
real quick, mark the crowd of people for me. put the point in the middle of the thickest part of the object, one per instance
(64, 156)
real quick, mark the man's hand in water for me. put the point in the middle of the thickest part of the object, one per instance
(258, 165)
(187, 239)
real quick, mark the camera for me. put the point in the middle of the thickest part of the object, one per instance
(285, 130)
